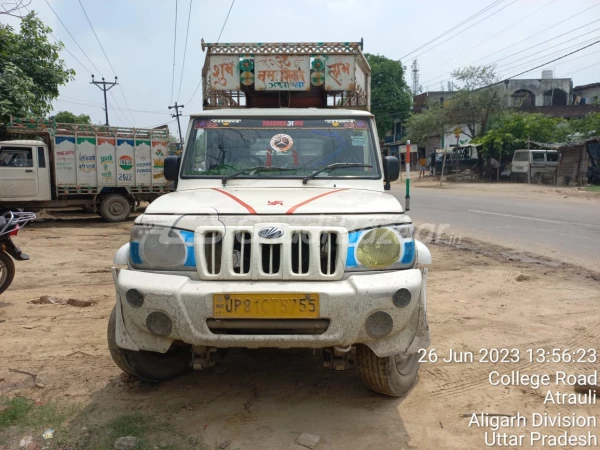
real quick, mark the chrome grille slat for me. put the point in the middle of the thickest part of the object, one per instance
(243, 244)
(302, 253)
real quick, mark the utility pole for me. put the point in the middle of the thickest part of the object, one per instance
(105, 86)
(177, 115)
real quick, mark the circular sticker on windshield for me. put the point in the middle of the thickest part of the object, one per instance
(281, 142)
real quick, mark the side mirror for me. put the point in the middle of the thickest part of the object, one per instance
(172, 164)
(391, 170)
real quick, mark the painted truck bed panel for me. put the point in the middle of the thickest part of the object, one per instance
(95, 161)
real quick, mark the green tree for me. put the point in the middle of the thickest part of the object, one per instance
(69, 117)
(16, 93)
(31, 70)
(390, 95)
(429, 123)
(478, 99)
(511, 131)
(588, 126)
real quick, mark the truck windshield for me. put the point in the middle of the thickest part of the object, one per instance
(222, 147)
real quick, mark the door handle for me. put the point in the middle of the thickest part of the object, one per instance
(29, 170)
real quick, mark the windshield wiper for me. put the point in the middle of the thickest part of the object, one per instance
(333, 167)
(249, 169)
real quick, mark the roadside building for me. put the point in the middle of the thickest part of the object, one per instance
(588, 94)
(579, 161)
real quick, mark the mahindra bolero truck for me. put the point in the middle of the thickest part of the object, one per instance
(280, 232)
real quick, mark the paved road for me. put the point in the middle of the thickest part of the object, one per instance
(564, 231)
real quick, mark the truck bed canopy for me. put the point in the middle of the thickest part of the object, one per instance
(286, 75)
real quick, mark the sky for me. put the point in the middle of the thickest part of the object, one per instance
(138, 38)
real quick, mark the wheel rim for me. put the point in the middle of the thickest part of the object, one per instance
(116, 209)
(403, 364)
(3, 273)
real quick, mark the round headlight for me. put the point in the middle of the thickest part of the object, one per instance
(164, 249)
(378, 248)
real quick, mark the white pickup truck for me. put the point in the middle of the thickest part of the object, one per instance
(108, 170)
(280, 232)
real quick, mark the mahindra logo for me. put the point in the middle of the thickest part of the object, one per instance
(270, 232)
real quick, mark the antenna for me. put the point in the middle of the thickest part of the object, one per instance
(415, 76)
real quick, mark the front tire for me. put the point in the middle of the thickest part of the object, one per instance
(148, 366)
(7, 271)
(392, 375)
(115, 208)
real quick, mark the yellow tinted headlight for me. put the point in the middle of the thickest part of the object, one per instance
(378, 248)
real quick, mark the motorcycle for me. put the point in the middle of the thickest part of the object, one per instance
(10, 224)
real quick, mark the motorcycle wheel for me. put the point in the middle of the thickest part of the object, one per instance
(7, 271)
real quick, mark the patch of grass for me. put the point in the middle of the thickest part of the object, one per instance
(24, 413)
(592, 188)
(127, 425)
(16, 411)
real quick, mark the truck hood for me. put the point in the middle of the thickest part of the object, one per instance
(280, 201)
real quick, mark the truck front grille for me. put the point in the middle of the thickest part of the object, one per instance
(304, 253)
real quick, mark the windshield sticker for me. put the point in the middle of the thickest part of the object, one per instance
(281, 142)
(216, 122)
(283, 123)
(359, 141)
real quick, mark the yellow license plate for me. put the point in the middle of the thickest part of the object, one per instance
(266, 306)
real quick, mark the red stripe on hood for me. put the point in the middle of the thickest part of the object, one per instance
(294, 208)
(233, 197)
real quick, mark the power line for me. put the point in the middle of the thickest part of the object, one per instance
(548, 40)
(549, 28)
(559, 64)
(72, 37)
(526, 39)
(494, 35)
(583, 68)
(64, 47)
(466, 29)
(120, 114)
(514, 64)
(174, 52)
(537, 45)
(107, 59)
(455, 27)
(97, 39)
(225, 23)
(218, 39)
(556, 59)
(97, 105)
(185, 50)
(82, 51)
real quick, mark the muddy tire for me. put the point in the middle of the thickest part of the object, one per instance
(392, 375)
(7, 271)
(148, 366)
(115, 208)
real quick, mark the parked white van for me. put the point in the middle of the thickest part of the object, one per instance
(534, 165)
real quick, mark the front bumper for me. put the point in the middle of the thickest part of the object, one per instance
(346, 303)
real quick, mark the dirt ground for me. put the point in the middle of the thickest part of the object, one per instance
(478, 298)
